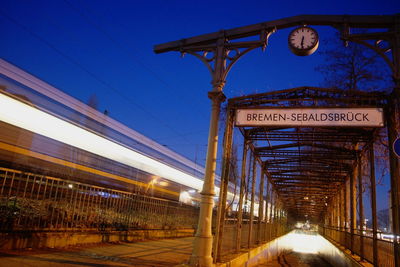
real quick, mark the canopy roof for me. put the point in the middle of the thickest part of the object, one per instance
(308, 165)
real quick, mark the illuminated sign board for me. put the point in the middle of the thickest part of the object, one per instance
(310, 117)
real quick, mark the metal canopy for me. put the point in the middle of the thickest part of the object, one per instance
(358, 21)
(219, 51)
(307, 166)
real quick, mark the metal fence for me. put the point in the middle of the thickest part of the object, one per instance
(260, 233)
(362, 244)
(37, 202)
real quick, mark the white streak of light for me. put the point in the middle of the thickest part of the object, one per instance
(37, 121)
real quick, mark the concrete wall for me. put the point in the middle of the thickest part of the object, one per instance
(335, 256)
(59, 239)
(258, 255)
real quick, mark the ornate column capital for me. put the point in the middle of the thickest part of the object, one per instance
(217, 96)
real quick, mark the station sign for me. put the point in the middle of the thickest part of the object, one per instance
(309, 117)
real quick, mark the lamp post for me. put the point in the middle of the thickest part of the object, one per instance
(219, 65)
(201, 255)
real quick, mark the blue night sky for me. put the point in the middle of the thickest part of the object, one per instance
(105, 48)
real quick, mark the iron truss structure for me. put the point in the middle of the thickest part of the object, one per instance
(308, 165)
(219, 51)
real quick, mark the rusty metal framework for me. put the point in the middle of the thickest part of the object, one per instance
(312, 174)
(220, 50)
(307, 166)
(240, 225)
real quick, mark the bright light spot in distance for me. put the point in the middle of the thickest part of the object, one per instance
(305, 242)
(32, 119)
(299, 225)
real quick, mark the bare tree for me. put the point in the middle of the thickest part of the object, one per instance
(357, 68)
(354, 67)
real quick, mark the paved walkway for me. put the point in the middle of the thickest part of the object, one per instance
(166, 252)
(293, 259)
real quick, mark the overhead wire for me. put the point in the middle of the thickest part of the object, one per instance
(125, 50)
(88, 72)
(120, 46)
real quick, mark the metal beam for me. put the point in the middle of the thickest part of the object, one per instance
(359, 21)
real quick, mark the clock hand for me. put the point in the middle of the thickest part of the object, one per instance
(302, 42)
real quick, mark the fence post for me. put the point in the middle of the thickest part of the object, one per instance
(360, 207)
(266, 210)
(242, 185)
(253, 191)
(261, 205)
(226, 163)
(373, 203)
(352, 209)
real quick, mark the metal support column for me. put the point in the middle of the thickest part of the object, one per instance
(336, 211)
(261, 206)
(373, 204)
(202, 247)
(271, 194)
(360, 207)
(353, 208)
(271, 220)
(241, 195)
(341, 216)
(253, 192)
(267, 194)
(226, 163)
(393, 126)
(346, 218)
(331, 209)
(341, 209)
(276, 215)
(394, 175)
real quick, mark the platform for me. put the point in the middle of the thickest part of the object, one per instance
(166, 252)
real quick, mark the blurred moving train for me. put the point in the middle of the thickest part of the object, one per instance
(45, 131)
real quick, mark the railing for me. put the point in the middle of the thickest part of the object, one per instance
(37, 202)
(385, 247)
(261, 233)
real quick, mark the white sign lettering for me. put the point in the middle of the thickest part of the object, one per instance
(339, 117)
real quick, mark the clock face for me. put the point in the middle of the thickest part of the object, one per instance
(303, 41)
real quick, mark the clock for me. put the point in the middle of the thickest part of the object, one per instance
(303, 41)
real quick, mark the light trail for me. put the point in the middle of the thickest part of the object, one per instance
(32, 119)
